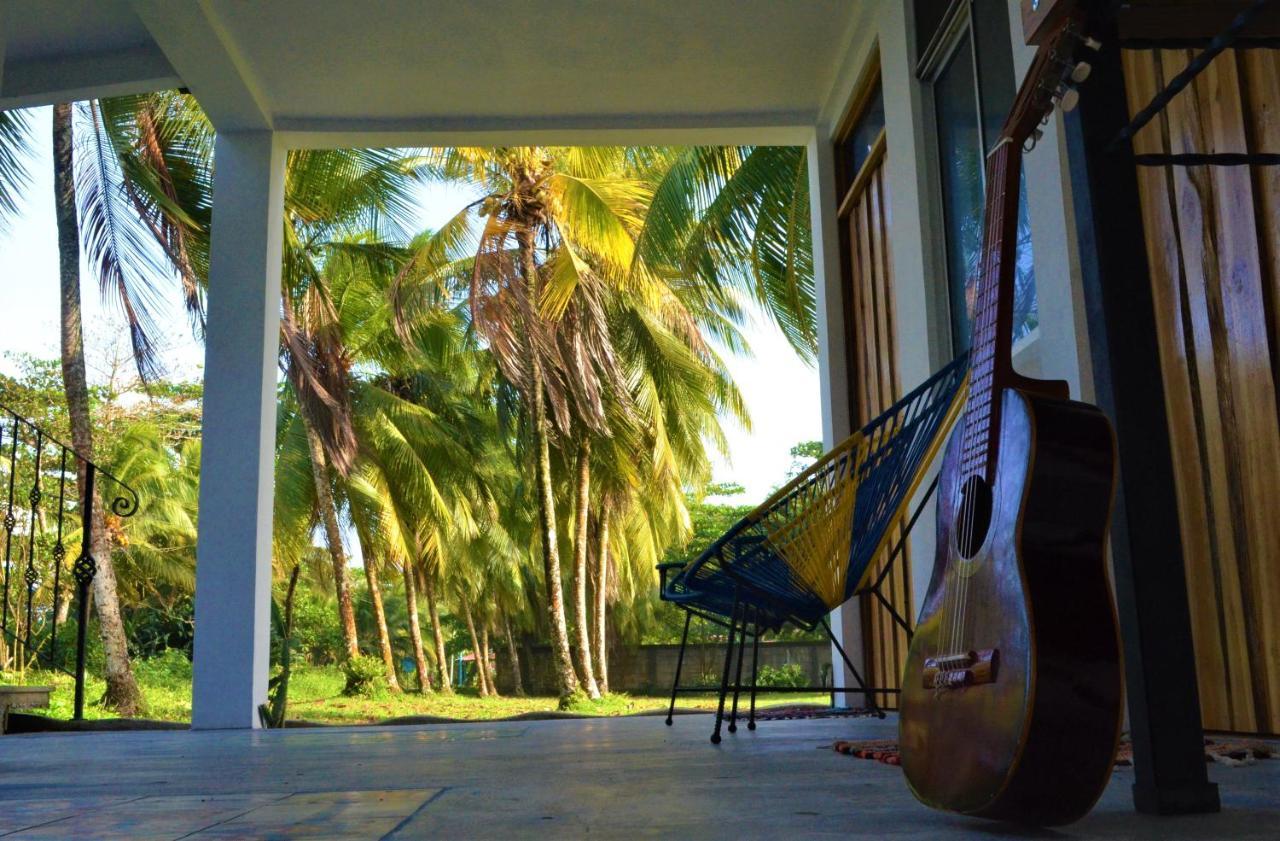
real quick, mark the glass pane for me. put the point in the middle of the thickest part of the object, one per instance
(995, 65)
(960, 139)
(864, 135)
(961, 162)
(1026, 309)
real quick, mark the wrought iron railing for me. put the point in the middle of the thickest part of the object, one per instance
(45, 489)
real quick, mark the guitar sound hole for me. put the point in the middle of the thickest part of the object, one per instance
(974, 518)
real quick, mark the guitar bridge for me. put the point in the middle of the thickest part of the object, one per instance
(953, 671)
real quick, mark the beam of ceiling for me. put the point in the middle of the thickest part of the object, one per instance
(783, 129)
(44, 81)
(211, 67)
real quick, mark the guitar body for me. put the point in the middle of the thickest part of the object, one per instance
(1026, 730)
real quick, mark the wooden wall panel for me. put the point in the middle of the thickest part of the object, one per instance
(1212, 240)
(875, 387)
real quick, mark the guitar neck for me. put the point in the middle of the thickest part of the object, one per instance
(991, 351)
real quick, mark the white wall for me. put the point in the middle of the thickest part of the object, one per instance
(1060, 349)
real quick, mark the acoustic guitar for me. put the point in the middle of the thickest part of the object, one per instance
(1011, 700)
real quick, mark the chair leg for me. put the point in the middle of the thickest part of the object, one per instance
(737, 680)
(755, 663)
(724, 679)
(675, 684)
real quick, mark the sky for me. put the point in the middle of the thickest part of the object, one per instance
(780, 390)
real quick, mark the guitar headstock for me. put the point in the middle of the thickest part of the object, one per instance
(1053, 80)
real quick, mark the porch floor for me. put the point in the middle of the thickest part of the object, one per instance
(621, 777)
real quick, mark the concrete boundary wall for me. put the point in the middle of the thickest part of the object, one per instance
(649, 669)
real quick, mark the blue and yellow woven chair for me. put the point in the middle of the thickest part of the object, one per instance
(813, 545)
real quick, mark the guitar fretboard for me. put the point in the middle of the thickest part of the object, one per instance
(990, 351)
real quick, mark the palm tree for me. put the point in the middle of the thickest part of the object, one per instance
(82, 190)
(556, 229)
(14, 140)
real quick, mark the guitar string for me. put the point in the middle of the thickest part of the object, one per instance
(976, 434)
(955, 593)
(989, 297)
(973, 435)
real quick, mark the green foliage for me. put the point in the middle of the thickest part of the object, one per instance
(804, 454)
(787, 676)
(155, 630)
(316, 633)
(406, 356)
(365, 677)
(172, 668)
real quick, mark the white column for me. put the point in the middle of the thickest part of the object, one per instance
(921, 310)
(833, 369)
(233, 553)
(1061, 349)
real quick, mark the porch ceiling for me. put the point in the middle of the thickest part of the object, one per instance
(409, 65)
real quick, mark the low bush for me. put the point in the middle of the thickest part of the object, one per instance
(365, 677)
(789, 676)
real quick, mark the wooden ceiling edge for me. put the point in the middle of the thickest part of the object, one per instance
(1155, 20)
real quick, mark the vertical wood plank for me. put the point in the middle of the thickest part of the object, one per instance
(1253, 399)
(1201, 242)
(1261, 69)
(1177, 371)
(865, 215)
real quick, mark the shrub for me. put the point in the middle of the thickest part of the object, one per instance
(365, 677)
(789, 676)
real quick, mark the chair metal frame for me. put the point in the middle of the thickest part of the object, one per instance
(813, 545)
(744, 621)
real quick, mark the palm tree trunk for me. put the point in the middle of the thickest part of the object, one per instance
(380, 619)
(582, 624)
(122, 693)
(490, 673)
(482, 677)
(546, 492)
(329, 516)
(601, 650)
(415, 629)
(442, 656)
(517, 682)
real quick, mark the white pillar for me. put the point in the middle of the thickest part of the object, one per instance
(833, 369)
(1061, 349)
(921, 309)
(233, 553)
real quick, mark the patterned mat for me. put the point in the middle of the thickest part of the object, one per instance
(1224, 751)
(800, 711)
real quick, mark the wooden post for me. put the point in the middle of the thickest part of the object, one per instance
(1155, 622)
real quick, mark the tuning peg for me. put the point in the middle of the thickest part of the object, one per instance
(1068, 99)
(1081, 72)
(1092, 43)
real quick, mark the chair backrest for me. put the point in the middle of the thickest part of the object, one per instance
(830, 523)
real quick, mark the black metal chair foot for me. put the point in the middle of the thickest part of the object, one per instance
(751, 725)
(715, 738)
(668, 721)
(733, 728)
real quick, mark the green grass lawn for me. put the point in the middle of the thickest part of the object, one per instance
(315, 694)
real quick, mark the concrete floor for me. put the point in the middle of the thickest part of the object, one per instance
(622, 778)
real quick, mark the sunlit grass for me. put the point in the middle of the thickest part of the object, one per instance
(315, 695)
